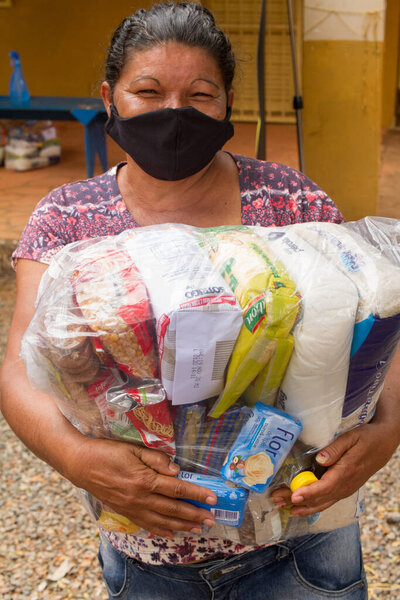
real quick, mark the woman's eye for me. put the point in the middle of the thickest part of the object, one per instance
(151, 92)
(202, 96)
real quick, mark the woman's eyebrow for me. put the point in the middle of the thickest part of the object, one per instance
(207, 80)
(145, 77)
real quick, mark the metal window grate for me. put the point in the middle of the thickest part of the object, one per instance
(240, 19)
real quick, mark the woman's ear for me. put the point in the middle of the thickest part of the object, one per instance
(106, 95)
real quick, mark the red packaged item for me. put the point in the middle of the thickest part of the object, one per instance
(139, 412)
(113, 300)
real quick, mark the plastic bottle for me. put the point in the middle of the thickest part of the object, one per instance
(302, 479)
(18, 90)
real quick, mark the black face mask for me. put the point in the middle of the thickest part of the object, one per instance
(172, 143)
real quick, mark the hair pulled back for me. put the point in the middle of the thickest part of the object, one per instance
(185, 22)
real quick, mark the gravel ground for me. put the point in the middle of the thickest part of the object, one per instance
(48, 544)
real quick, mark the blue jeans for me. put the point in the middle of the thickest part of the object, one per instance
(322, 566)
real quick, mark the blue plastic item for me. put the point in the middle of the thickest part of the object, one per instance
(261, 447)
(18, 90)
(231, 500)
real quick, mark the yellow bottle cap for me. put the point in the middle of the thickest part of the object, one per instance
(302, 479)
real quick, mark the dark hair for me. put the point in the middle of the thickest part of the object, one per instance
(185, 22)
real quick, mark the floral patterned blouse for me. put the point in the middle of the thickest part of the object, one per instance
(272, 195)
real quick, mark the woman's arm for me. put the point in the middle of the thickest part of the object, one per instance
(355, 455)
(136, 482)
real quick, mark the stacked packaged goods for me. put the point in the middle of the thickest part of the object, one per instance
(235, 350)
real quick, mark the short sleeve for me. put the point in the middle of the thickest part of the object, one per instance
(43, 235)
(309, 202)
(75, 211)
(277, 195)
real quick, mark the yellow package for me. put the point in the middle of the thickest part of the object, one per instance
(112, 521)
(270, 304)
(264, 388)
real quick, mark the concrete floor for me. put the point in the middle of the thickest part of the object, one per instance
(19, 192)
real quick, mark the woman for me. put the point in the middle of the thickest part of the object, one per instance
(168, 93)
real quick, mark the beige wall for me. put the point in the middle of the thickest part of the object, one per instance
(62, 44)
(342, 79)
(62, 47)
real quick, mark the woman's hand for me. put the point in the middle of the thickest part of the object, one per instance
(136, 482)
(140, 484)
(354, 456)
(351, 460)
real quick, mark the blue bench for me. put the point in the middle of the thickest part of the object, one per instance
(88, 111)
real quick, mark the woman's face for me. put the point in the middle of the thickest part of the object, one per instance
(170, 75)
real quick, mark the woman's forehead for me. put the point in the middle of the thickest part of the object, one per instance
(171, 59)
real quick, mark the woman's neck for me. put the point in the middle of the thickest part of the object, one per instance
(202, 199)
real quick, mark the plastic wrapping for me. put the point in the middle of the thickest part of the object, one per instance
(236, 350)
(270, 305)
(377, 321)
(319, 365)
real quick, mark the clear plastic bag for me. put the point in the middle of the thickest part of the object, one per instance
(236, 350)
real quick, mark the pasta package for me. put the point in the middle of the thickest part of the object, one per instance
(93, 331)
(113, 301)
(62, 359)
(140, 414)
(270, 304)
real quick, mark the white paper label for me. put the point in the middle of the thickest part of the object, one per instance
(197, 334)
